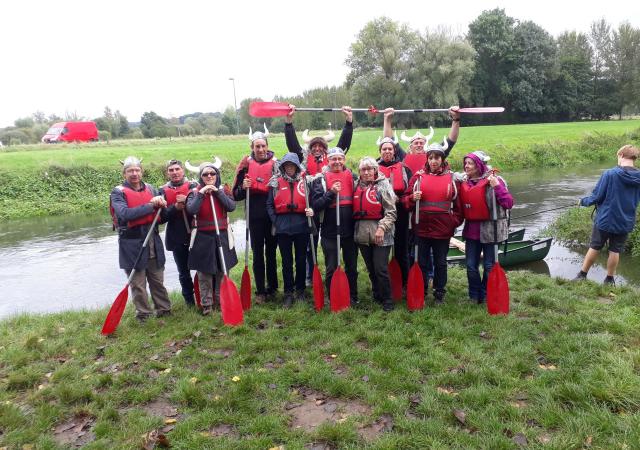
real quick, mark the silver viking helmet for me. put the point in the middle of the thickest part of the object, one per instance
(383, 140)
(327, 137)
(131, 161)
(216, 163)
(418, 135)
(439, 148)
(482, 156)
(258, 134)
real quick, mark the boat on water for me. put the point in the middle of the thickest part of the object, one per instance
(514, 235)
(512, 253)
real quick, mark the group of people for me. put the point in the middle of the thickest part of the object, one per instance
(397, 204)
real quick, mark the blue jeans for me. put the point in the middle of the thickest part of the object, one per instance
(478, 286)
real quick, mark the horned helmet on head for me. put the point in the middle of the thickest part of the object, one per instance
(384, 140)
(131, 161)
(418, 135)
(258, 134)
(322, 140)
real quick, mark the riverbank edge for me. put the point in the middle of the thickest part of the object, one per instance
(56, 190)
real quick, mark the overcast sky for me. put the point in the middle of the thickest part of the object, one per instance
(177, 57)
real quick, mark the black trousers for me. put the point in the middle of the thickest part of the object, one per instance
(310, 255)
(440, 248)
(349, 261)
(290, 243)
(181, 257)
(401, 243)
(376, 258)
(263, 246)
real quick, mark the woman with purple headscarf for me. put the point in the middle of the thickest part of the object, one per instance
(480, 185)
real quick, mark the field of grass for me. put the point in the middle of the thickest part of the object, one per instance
(561, 371)
(45, 179)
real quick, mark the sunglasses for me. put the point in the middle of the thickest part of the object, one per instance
(208, 174)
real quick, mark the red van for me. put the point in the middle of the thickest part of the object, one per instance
(71, 131)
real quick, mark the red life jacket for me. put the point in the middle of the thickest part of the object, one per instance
(205, 215)
(134, 199)
(289, 200)
(260, 174)
(415, 161)
(474, 200)
(314, 167)
(395, 174)
(346, 179)
(366, 205)
(438, 191)
(171, 192)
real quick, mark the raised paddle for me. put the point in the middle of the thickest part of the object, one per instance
(415, 279)
(318, 288)
(281, 109)
(230, 304)
(395, 273)
(497, 283)
(245, 283)
(117, 308)
(339, 295)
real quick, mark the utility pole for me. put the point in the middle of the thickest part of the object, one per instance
(235, 104)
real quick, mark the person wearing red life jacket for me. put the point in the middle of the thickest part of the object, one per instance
(313, 157)
(374, 213)
(336, 181)
(204, 256)
(440, 212)
(286, 206)
(133, 207)
(178, 230)
(253, 174)
(479, 185)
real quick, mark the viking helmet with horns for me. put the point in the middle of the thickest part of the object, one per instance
(196, 170)
(322, 140)
(258, 134)
(383, 140)
(418, 135)
(130, 161)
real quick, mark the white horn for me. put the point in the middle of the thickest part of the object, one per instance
(329, 136)
(121, 162)
(428, 138)
(378, 141)
(250, 133)
(190, 168)
(305, 136)
(217, 163)
(445, 144)
(404, 137)
(266, 132)
(395, 137)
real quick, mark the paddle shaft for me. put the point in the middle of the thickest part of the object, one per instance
(415, 250)
(186, 222)
(338, 224)
(144, 244)
(215, 220)
(494, 217)
(246, 230)
(306, 202)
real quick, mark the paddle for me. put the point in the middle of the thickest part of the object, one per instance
(245, 283)
(117, 308)
(280, 109)
(230, 304)
(339, 295)
(196, 282)
(318, 288)
(497, 284)
(415, 279)
(395, 273)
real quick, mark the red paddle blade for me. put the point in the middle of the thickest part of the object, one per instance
(339, 295)
(115, 313)
(318, 289)
(395, 276)
(196, 291)
(245, 289)
(230, 303)
(497, 291)
(269, 109)
(415, 288)
(482, 110)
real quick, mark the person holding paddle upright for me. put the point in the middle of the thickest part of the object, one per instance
(178, 228)
(480, 187)
(287, 209)
(336, 184)
(134, 204)
(435, 191)
(204, 256)
(252, 179)
(374, 213)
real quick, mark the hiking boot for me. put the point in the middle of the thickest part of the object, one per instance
(142, 319)
(439, 298)
(609, 281)
(300, 296)
(288, 300)
(260, 299)
(480, 301)
(581, 276)
(206, 310)
(388, 306)
(164, 313)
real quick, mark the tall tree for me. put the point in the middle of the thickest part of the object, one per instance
(602, 104)
(623, 61)
(572, 81)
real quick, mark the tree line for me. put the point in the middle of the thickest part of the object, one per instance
(500, 61)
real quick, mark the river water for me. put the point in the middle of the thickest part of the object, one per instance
(70, 262)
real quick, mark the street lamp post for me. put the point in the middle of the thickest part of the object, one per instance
(235, 104)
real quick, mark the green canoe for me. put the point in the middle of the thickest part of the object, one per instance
(518, 252)
(514, 235)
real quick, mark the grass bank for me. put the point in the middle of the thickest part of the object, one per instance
(574, 227)
(43, 180)
(561, 371)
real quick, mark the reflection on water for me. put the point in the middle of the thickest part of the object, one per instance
(70, 262)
